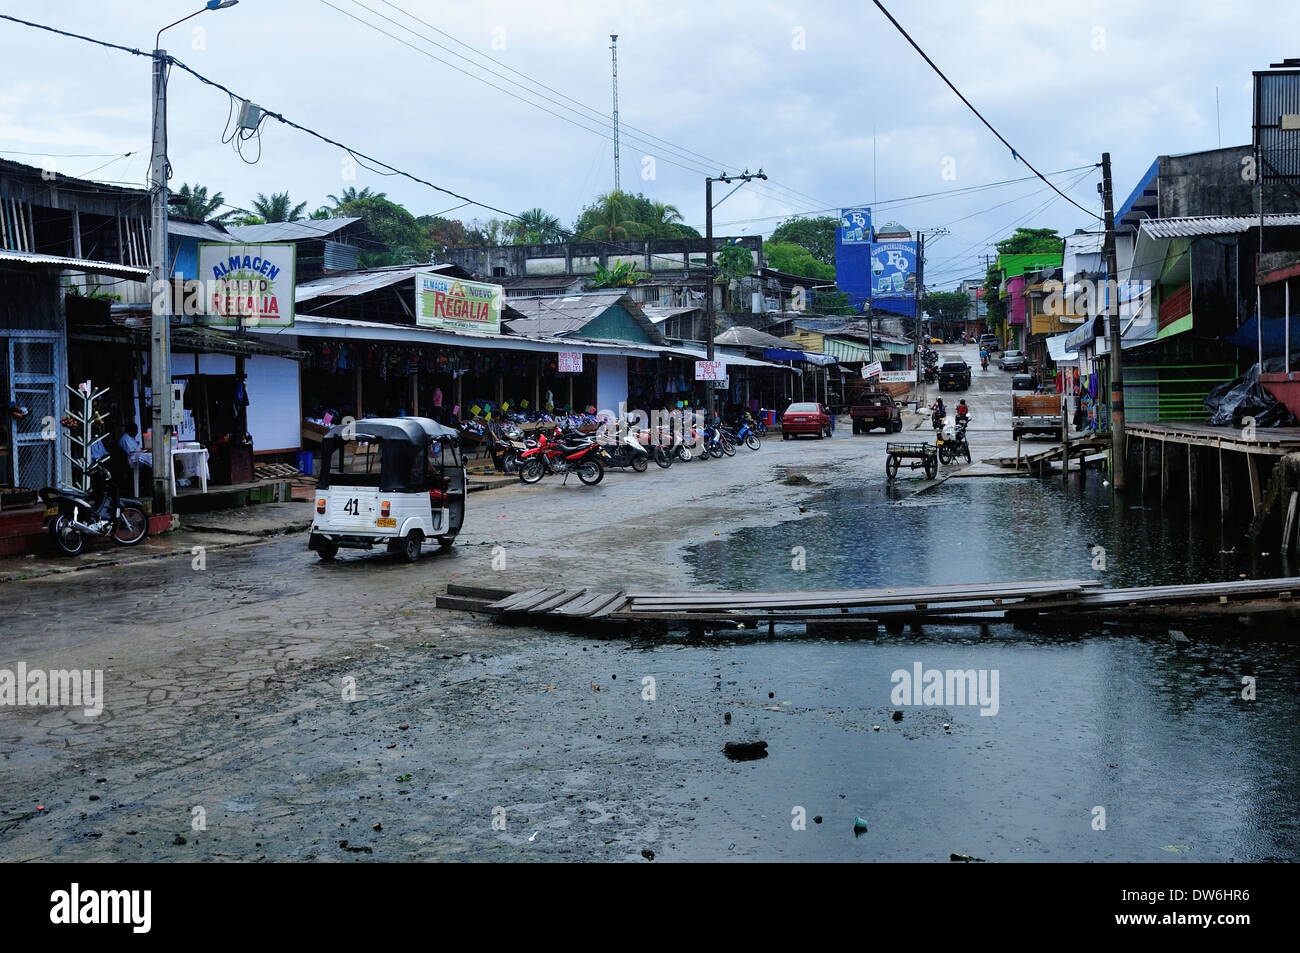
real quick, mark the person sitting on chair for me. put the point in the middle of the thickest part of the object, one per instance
(130, 444)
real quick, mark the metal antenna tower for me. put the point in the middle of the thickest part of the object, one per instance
(613, 52)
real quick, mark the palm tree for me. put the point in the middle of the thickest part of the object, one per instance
(196, 204)
(665, 220)
(322, 212)
(614, 221)
(350, 194)
(537, 226)
(277, 208)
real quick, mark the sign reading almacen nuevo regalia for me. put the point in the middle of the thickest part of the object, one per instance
(454, 304)
(250, 285)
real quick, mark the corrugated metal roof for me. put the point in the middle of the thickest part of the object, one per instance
(558, 315)
(22, 259)
(349, 283)
(1196, 225)
(202, 230)
(748, 337)
(289, 231)
(660, 315)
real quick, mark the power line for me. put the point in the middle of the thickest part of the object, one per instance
(678, 156)
(622, 125)
(1014, 154)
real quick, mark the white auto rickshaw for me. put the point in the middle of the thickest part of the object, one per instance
(391, 481)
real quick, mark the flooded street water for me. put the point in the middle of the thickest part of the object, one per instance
(1120, 721)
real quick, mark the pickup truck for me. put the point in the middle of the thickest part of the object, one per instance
(873, 409)
(954, 375)
(1035, 413)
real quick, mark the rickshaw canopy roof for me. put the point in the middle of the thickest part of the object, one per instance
(417, 431)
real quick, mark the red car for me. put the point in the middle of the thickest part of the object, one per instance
(805, 418)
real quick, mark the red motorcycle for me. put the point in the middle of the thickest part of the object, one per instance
(554, 455)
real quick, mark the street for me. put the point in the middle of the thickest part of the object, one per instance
(271, 706)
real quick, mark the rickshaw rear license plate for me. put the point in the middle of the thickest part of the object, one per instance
(387, 522)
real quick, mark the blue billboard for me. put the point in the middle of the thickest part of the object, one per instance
(893, 269)
(853, 255)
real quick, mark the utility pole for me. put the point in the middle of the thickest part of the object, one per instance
(160, 359)
(613, 52)
(710, 330)
(160, 365)
(916, 304)
(1118, 447)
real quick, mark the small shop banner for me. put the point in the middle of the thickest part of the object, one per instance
(570, 362)
(898, 377)
(453, 304)
(710, 370)
(248, 285)
(872, 370)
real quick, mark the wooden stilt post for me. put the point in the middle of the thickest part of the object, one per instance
(358, 367)
(1288, 525)
(1191, 478)
(1164, 470)
(1145, 454)
(460, 395)
(1065, 444)
(1225, 497)
(1256, 497)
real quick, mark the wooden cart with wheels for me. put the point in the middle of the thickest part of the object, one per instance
(918, 456)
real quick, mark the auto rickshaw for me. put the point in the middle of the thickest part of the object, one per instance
(392, 481)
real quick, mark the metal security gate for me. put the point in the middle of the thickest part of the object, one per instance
(31, 365)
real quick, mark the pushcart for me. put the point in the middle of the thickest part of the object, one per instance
(918, 456)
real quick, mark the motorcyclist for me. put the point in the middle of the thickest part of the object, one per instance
(984, 358)
(938, 412)
(963, 413)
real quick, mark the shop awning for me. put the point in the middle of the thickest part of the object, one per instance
(783, 354)
(1058, 348)
(187, 339)
(31, 260)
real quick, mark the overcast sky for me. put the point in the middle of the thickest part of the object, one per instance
(800, 90)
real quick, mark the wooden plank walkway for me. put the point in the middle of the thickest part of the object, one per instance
(1082, 599)
(1274, 441)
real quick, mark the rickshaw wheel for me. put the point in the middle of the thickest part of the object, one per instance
(411, 545)
(327, 550)
(931, 467)
(891, 467)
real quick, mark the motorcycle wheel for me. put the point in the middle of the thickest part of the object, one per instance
(131, 526)
(965, 451)
(69, 541)
(945, 455)
(752, 442)
(591, 472)
(931, 468)
(663, 457)
(510, 463)
(684, 453)
(716, 451)
(728, 448)
(531, 472)
(640, 464)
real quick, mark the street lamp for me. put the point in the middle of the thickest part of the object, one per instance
(160, 364)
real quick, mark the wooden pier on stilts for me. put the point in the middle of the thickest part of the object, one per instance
(1082, 600)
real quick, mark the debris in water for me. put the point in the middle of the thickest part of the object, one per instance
(178, 841)
(726, 718)
(1178, 638)
(898, 716)
(965, 858)
(797, 479)
(647, 853)
(745, 750)
(817, 819)
(859, 827)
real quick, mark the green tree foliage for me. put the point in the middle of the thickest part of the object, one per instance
(390, 223)
(620, 216)
(1030, 241)
(946, 307)
(491, 233)
(350, 194)
(537, 227)
(817, 235)
(278, 208)
(622, 275)
(796, 260)
(734, 262)
(199, 206)
(831, 302)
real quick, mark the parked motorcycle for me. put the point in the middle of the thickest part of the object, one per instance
(747, 434)
(625, 453)
(555, 454)
(71, 515)
(953, 444)
(506, 447)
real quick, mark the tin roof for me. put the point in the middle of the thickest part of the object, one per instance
(345, 284)
(1197, 225)
(22, 259)
(289, 231)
